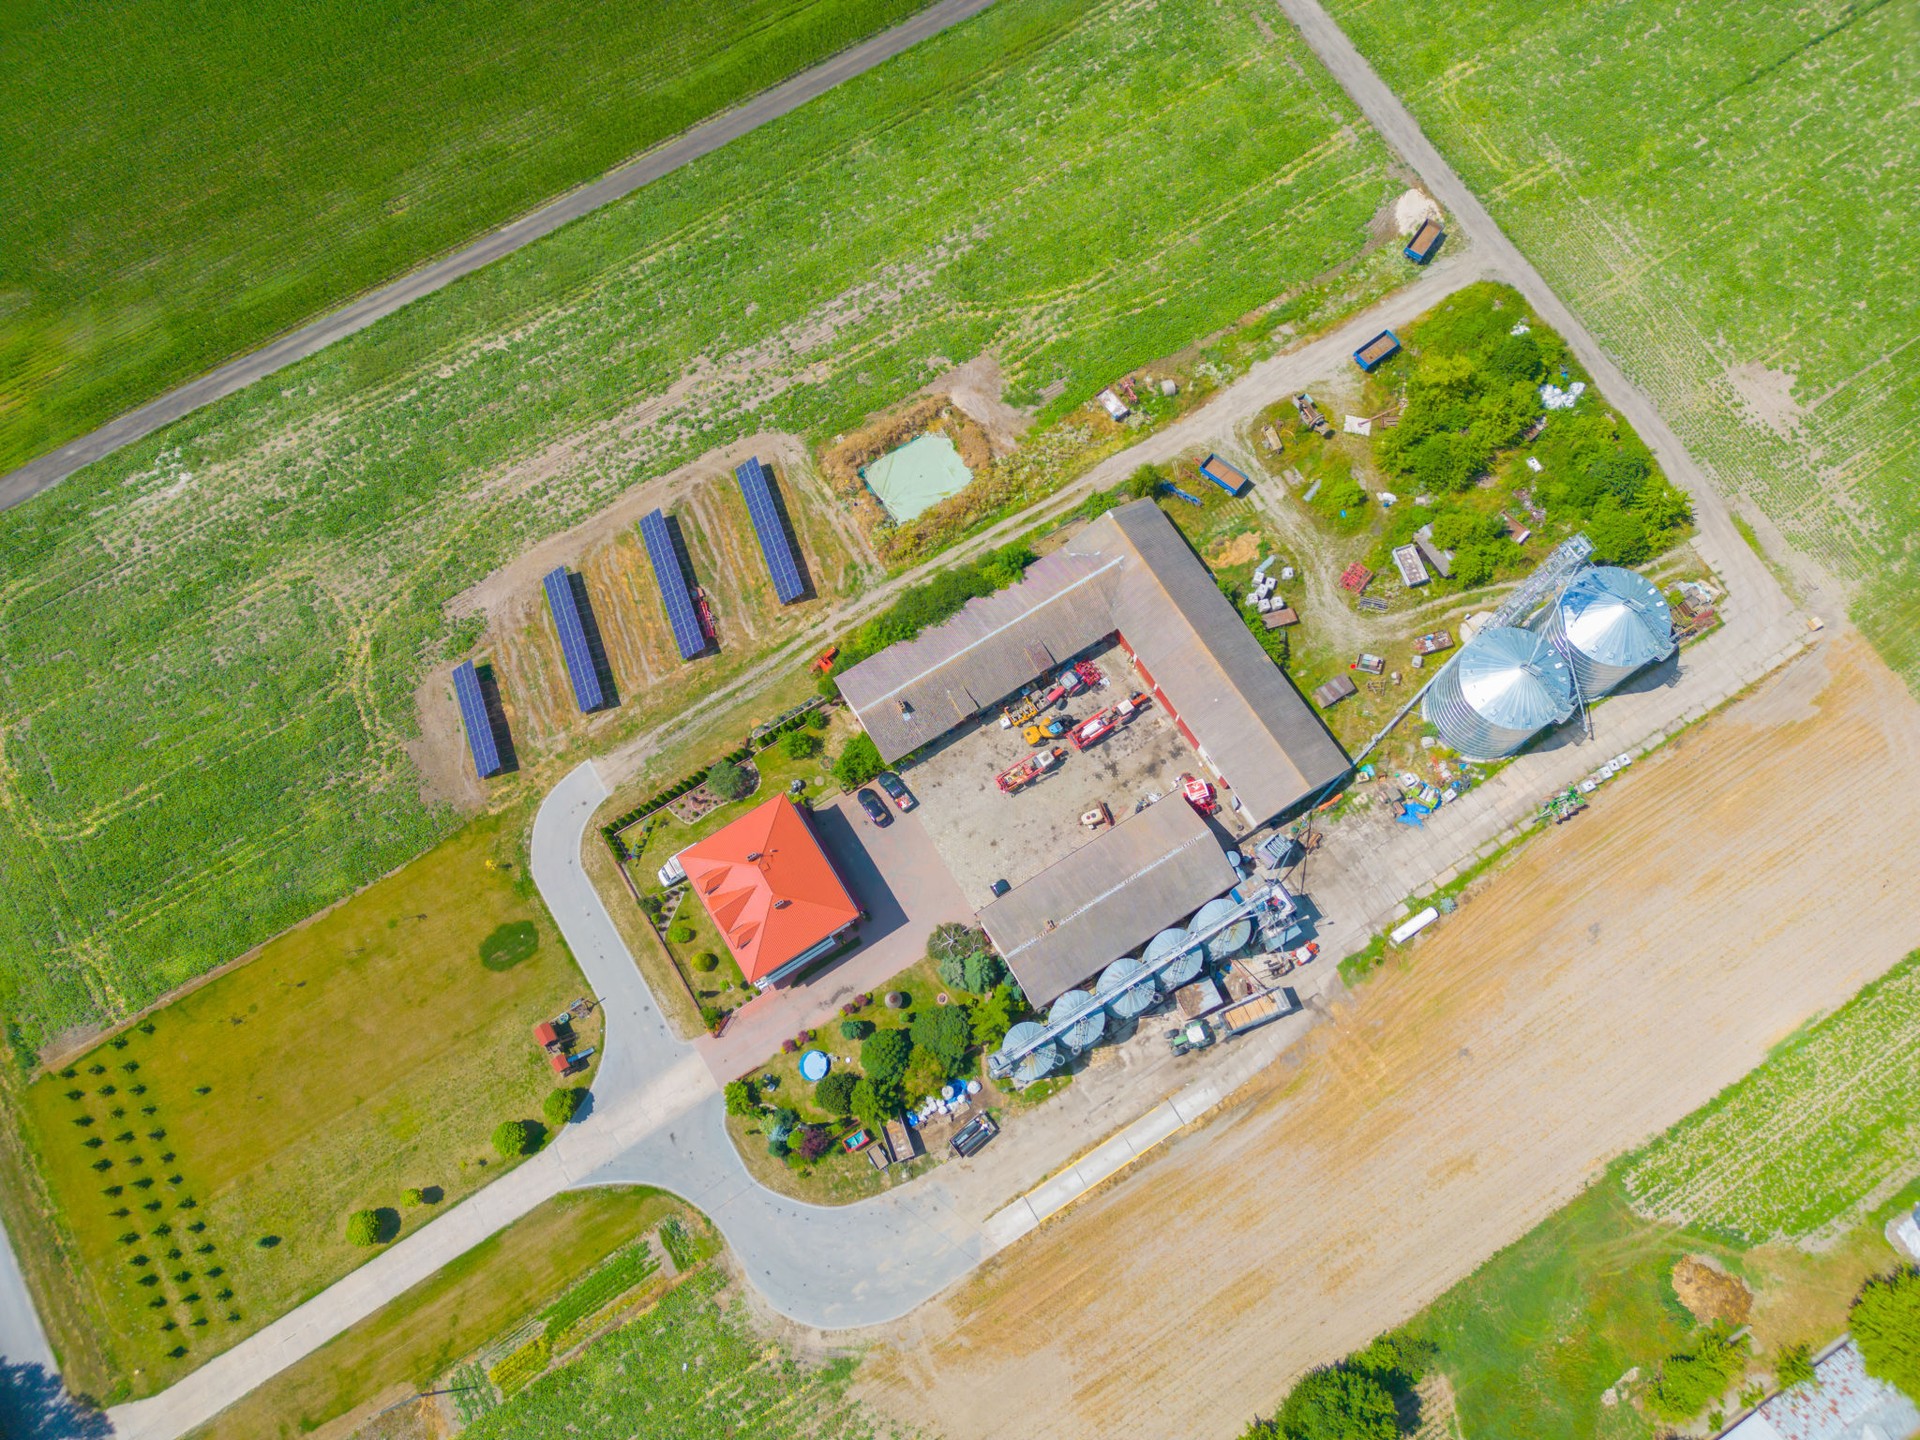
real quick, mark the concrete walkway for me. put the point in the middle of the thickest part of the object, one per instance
(37, 475)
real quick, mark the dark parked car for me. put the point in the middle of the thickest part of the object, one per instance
(896, 791)
(876, 808)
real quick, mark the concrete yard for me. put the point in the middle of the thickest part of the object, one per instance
(984, 835)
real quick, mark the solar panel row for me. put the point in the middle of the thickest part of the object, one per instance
(573, 640)
(672, 580)
(473, 714)
(757, 486)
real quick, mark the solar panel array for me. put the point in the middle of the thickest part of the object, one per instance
(687, 632)
(573, 640)
(473, 714)
(757, 486)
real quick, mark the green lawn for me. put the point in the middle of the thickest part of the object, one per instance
(209, 643)
(372, 1051)
(206, 176)
(1722, 194)
(414, 1340)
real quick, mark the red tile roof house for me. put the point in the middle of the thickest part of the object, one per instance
(772, 892)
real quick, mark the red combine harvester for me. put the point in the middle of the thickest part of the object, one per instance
(1030, 769)
(1199, 794)
(1095, 728)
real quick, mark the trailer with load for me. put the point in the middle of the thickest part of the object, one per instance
(1030, 769)
(1252, 1013)
(1096, 728)
(1229, 478)
(1426, 240)
(1377, 351)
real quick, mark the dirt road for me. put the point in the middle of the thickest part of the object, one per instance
(1622, 971)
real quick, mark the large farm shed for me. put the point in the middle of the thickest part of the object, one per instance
(1146, 873)
(1129, 574)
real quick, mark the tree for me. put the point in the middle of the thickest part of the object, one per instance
(859, 762)
(875, 1103)
(1474, 564)
(983, 969)
(1662, 506)
(1794, 1367)
(1885, 1322)
(818, 718)
(680, 933)
(992, 1018)
(561, 1105)
(785, 1122)
(799, 745)
(855, 1029)
(777, 1146)
(884, 1054)
(1693, 1379)
(835, 1093)
(1335, 1403)
(1145, 482)
(926, 1073)
(727, 780)
(1518, 358)
(514, 1138)
(741, 1099)
(363, 1228)
(814, 1142)
(1619, 536)
(943, 1032)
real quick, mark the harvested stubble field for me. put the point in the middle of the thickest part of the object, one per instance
(1615, 976)
(208, 176)
(210, 643)
(1723, 196)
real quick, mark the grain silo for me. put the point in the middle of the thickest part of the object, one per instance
(1181, 970)
(1112, 989)
(1040, 1062)
(1504, 687)
(1230, 941)
(1609, 623)
(1085, 1031)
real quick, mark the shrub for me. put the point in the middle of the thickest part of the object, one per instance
(875, 1103)
(944, 1033)
(741, 1099)
(992, 1018)
(818, 718)
(777, 1147)
(1885, 1321)
(513, 1138)
(799, 745)
(413, 1199)
(884, 1054)
(859, 762)
(983, 969)
(1693, 1379)
(926, 1073)
(1334, 1403)
(561, 1105)
(835, 1093)
(363, 1228)
(814, 1142)
(727, 780)
(680, 933)
(1794, 1367)
(706, 962)
(855, 1029)
(711, 1017)
(785, 1122)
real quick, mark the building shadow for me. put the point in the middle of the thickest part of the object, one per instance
(856, 868)
(497, 717)
(1659, 676)
(683, 557)
(807, 592)
(34, 1405)
(596, 646)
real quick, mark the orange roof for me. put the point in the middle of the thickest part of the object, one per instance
(769, 886)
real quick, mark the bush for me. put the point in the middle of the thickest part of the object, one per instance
(926, 1073)
(680, 933)
(785, 1122)
(561, 1105)
(983, 969)
(818, 718)
(875, 1103)
(884, 1055)
(859, 762)
(944, 1033)
(814, 1142)
(777, 1146)
(363, 1228)
(727, 780)
(799, 745)
(1619, 535)
(1335, 1403)
(514, 1138)
(835, 1093)
(706, 962)
(1693, 1379)
(1794, 1367)
(1885, 1321)
(855, 1029)
(741, 1099)
(413, 1198)
(992, 1018)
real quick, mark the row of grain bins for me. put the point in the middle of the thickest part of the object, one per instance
(1510, 682)
(1124, 992)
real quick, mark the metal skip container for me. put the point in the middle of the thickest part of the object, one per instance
(1504, 687)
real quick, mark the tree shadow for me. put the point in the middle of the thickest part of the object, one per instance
(34, 1405)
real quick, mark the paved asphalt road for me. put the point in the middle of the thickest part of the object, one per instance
(37, 475)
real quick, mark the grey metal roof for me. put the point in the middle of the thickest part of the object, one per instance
(1109, 896)
(1129, 571)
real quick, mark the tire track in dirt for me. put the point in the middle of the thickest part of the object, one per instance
(1615, 977)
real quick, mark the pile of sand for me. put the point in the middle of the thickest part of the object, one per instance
(1412, 208)
(1709, 1293)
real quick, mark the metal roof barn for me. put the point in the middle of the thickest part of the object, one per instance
(1609, 623)
(1092, 1025)
(1504, 687)
(1134, 1001)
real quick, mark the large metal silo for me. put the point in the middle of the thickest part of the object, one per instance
(1090, 1026)
(1180, 971)
(1609, 623)
(1115, 988)
(1504, 687)
(1230, 941)
(1037, 1063)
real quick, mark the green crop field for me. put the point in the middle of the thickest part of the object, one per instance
(1723, 193)
(1828, 1122)
(688, 1370)
(206, 176)
(209, 643)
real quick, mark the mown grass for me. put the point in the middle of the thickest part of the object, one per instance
(206, 176)
(209, 643)
(417, 1337)
(1720, 193)
(359, 1056)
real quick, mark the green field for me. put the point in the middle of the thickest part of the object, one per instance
(1723, 194)
(370, 1052)
(1831, 1119)
(209, 643)
(206, 176)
